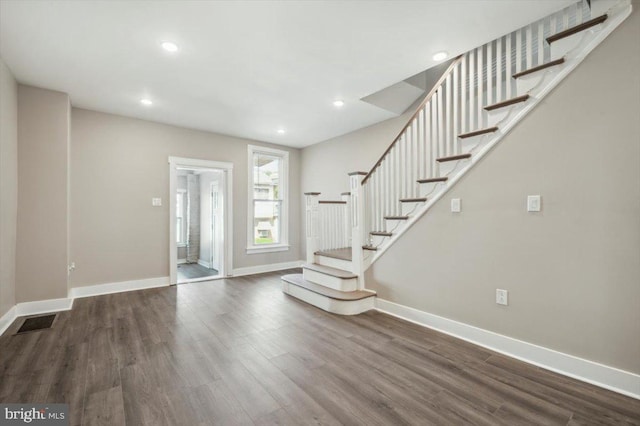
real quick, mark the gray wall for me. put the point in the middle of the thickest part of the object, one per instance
(8, 186)
(118, 164)
(43, 150)
(573, 270)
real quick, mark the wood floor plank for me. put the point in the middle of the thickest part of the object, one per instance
(240, 352)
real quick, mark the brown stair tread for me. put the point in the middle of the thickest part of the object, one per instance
(312, 193)
(332, 202)
(413, 200)
(372, 248)
(346, 193)
(478, 132)
(578, 28)
(453, 158)
(539, 67)
(334, 272)
(508, 102)
(396, 217)
(341, 253)
(298, 280)
(430, 180)
(381, 233)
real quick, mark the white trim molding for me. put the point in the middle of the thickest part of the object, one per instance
(601, 375)
(271, 267)
(119, 287)
(33, 308)
(283, 244)
(7, 319)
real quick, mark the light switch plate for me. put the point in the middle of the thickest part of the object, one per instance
(455, 205)
(156, 202)
(533, 203)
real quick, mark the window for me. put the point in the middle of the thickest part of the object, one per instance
(268, 173)
(181, 217)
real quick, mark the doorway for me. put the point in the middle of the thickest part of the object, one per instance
(200, 219)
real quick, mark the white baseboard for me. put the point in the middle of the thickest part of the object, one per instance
(43, 306)
(204, 263)
(611, 378)
(33, 308)
(7, 319)
(96, 290)
(250, 270)
(181, 261)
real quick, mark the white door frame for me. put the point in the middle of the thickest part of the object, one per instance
(227, 199)
(216, 244)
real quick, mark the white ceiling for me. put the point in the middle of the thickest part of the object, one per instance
(245, 68)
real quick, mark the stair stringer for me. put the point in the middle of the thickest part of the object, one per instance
(553, 77)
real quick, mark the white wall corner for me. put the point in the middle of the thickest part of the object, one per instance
(271, 267)
(597, 374)
(118, 287)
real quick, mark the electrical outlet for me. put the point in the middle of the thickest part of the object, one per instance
(533, 203)
(502, 297)
(455, 205)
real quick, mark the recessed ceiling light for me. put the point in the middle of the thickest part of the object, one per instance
(169, 46)
(281, 131)
(338, 103)
(146, 102)
(440, 56)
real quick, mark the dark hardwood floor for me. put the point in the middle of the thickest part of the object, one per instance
(239, 351)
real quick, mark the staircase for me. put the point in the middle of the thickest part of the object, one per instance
(481, 96)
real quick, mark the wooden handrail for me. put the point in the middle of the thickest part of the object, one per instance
(435, 88)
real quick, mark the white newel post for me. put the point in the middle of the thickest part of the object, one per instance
(346, 196)
(312, 225)
(357, 225)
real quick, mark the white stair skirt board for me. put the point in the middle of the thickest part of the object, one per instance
(610, 378)
(326, 303)
(336, 283)
(271, 267)
(119, 287)
(332, 262)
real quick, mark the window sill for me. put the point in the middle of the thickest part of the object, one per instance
(267, 249)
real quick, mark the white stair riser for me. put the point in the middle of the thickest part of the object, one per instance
(428, 189)
(341, 307)
(468, 145)
(345, 265)
(341, 284)
(561, 47)
(527, 83)
(408, 208)
(449, 168)
(394, 225)
(377, 240)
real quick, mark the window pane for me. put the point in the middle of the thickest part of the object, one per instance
(266, 222)
(266, 173)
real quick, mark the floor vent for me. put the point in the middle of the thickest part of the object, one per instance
(36, 323)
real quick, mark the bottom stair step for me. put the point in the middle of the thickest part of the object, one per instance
(338, 302)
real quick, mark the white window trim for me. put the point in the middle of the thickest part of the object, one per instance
(283, 245)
